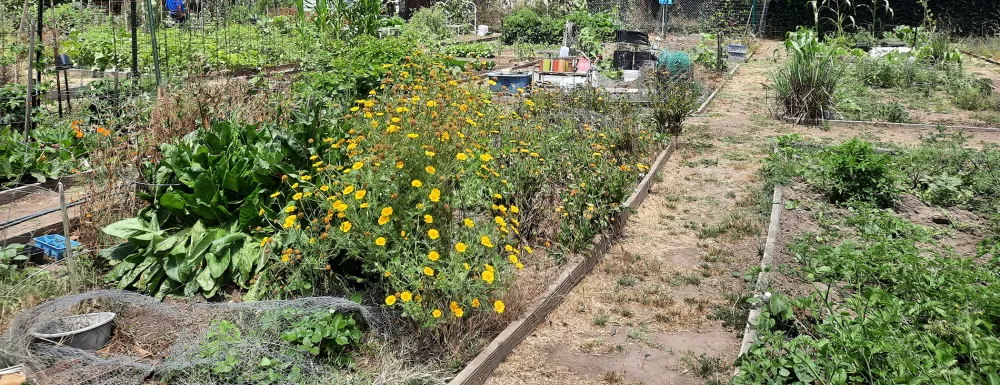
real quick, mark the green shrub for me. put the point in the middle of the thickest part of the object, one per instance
(673, 99)
(807, 85)
(526, 26)
(853, 171)
(326, 333)
(428, 24)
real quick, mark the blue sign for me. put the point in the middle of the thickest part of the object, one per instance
(666, 2)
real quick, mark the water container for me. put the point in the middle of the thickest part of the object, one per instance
(737, 52)
(509, 82)
(483, 30)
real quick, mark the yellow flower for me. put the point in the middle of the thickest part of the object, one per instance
(360, 194)
(430, 170)
(469, 223)
(488, 276)
(514, 209)
(461, 247)
(381, 242)
(406, 296)
(475, 302)
(428, 218)
(297, 196)
(276, 193)
(486, 241)
(364, 205)
(512, 258)
(382, 220)
(386, 211)
(436, 313)
(388, 274)
(358, 165)
(290, 209)
(528, 249)
(345, 226)
(461, 156)
(430, 154)
(390, 300)
(260, 213)
(264, 241)
(324, 188)
(339, 205)
(435, 195)
(416, 183)
(428, 271)
(399, 164)
(529, 102)
(519, 265)
(466, 266)
(412, 135)
(498, 306)
(433, 255)
(458, 312)
(348, 190)
(306, 177)
(486, 157)
(289, 222)
(433, 233)
(431, 103)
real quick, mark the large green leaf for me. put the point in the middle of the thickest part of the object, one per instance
(206, 189)
(205, 280)
(126, 228)
(119, 252)
(173, 200)
(217, 263)
(176, 268)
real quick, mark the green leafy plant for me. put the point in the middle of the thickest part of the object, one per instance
(806, 87)
(853, 171)
(476, 50)
(707, 53)
(329, 334)
(428, 24)
(673, 99)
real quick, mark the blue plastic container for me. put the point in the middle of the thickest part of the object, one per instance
(509, 83)
(54, 245)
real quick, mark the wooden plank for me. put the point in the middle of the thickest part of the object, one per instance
(764, 277)
(14, 194)
(916, 126)
(480, 368)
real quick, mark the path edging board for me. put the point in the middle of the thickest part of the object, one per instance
(919, 126)
(764, 277)
(481, 367)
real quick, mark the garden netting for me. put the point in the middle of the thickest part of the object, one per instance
(175, 342)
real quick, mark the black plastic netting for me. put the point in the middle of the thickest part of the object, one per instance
(180, 342)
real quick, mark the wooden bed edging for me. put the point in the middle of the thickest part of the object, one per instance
(917, 126)
(729, 76)
(764, 277)
(991, 61)
(480, 368)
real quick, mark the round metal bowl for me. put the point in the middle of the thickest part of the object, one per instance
(90, 331)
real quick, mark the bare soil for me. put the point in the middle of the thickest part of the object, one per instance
(654, 309)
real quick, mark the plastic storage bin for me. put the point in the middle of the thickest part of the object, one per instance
(509, 82)
(54, 245)
(737, 52)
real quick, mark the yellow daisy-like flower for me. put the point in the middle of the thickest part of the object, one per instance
(486, 241)
(387, 274)
(399, 164)
(497, 196)
(519, 265)
(339, 205)
(360, 194)
(433, 233)
(475, 302)
(289, 222)
(486, 157)
(428, 271)
(345, 226)
(406, 296)
(358, 165)
(461, 247)
(416, 183)
(466, 266)
(382, 220)
(364, 205)
(488, 276)
(324, 188)
(469, 223)
(461, 156)
(390, 300)
(514, 209)
(297, 196)
(431, 104)
(435, 195)
(412, 135)
(528, 249)
(458, 312)
(306, 178)
(386, 211)
(428, 218)
(436, 313)
(290, 209)
(498, 306)
(348, 190)
(430, 154)
(295, 185)
(512, 258)
(381, 242)
(430, 170)
(276, 193)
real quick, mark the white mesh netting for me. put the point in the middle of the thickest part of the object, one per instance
(180, 342)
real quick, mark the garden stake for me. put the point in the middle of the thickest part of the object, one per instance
(65, 215)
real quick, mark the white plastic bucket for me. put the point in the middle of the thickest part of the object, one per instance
(630, 75)
(483, 30)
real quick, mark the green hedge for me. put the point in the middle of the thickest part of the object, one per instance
(526, 26)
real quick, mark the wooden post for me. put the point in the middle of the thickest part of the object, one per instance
(31, 80)
(65, 215)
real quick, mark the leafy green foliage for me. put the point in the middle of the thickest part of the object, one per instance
(707, 53)
(806, 86)
(221, 356)
(945, 172)
(329, 334)
(673, 99)
(427, 24)
(53, 152)
(853, 171)
(524, 25)
(912, 314)
(477, 50)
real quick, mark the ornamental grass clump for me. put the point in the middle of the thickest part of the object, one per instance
(806, 86)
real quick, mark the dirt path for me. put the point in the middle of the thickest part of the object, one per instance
(663, 305)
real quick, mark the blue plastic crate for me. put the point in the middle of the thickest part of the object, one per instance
(54, 245)
(509, 83)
